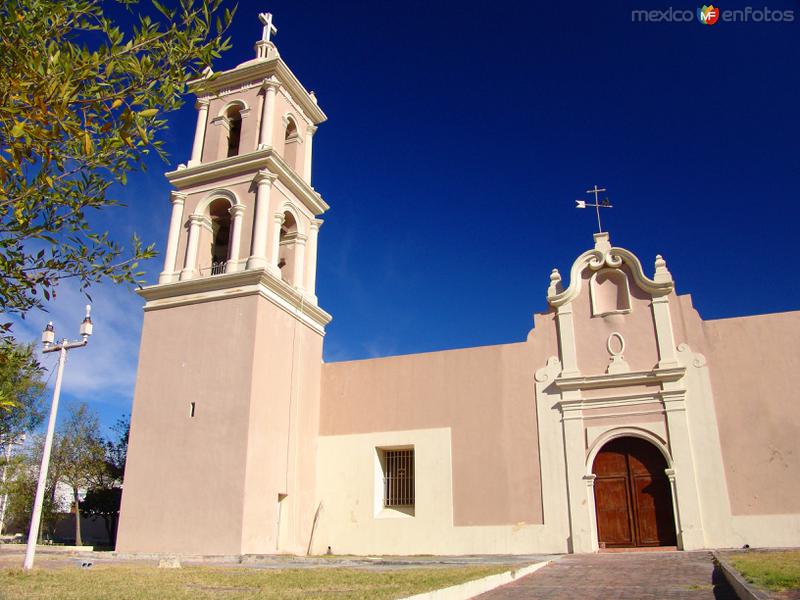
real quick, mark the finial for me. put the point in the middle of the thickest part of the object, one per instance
(662, 274)
(598, 204)
(602, 243)
(555, 283)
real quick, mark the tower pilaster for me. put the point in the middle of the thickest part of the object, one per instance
(258, 255)
(171, 253)
(200, 132)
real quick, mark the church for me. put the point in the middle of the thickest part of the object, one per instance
(621, 420)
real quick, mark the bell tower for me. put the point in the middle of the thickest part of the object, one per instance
(226, 407)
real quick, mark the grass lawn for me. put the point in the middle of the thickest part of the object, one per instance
(123, 582)
(776, 571)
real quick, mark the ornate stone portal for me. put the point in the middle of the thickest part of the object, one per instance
(596, 407)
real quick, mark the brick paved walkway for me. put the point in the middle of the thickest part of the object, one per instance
(648, 576)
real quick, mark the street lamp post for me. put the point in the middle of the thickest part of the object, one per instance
(48, 336)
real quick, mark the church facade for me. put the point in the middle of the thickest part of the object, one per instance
(622, 420)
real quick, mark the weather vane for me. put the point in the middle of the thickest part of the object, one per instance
(598, 204)
(269, 28)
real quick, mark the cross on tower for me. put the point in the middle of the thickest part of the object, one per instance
(598, 204)
(269, 28)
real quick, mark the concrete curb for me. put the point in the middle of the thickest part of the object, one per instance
(47, 548)
(743, 589)
(470, 589)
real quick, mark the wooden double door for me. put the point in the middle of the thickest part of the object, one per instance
(632, 495)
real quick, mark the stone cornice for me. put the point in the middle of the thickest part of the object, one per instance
(624, 400)
(265, 158)
(233, 285)
(609, 380)
(256, 71)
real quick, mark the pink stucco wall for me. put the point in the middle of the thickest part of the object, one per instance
(591, 333)
(755, 371)
(175, 475)
(209, 484)
(486, 395)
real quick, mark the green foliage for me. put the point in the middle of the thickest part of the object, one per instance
(81, 106)
(22, 477)
(117, 452)
(80, 451)
(104, 503)
(104, 498)
(21, 389)
(80, 458)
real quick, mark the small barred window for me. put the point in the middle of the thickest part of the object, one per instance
(398, 478)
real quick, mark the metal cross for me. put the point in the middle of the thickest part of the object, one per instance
(269, 28)
(598, 204)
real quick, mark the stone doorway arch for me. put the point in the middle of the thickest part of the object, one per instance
(633, 498)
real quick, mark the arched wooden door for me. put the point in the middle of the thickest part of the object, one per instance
(632, 495)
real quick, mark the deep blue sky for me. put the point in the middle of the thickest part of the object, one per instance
(459, 136)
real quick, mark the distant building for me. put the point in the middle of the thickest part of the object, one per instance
(623, 419)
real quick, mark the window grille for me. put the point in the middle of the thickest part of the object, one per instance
(398, 480)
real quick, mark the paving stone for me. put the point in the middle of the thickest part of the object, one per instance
(643, 576)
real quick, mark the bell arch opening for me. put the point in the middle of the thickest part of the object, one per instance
(633, 496)
(234, 119)
(219, 252)
(287, 247)
(291, 144)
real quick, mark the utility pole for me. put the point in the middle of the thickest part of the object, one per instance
(48, 335)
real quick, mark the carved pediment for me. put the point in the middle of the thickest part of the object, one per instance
(603, 257)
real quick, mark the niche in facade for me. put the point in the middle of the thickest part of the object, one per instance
(610, 293)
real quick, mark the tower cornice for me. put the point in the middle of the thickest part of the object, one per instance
(257, 160)
(256, 282)
(253, 73)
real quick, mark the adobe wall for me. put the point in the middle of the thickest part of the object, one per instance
(471, 416)
(210, 484)
(636, 327)
(755, 371)
(284, 422)
(181, 493)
